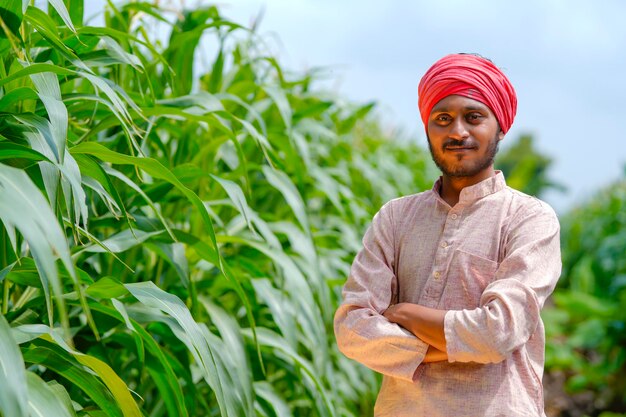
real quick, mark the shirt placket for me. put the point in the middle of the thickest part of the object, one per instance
(431, 295)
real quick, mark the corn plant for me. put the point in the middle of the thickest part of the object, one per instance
(173, 237)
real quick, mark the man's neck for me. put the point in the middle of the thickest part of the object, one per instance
(451, 187)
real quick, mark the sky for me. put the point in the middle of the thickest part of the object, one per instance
(566, 60)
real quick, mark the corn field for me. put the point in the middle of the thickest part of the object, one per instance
(173, 238)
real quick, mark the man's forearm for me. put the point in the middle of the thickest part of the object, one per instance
(434, 355)
(424, 322)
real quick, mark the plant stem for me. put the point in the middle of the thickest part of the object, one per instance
(5, 296)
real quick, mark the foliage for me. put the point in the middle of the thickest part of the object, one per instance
(526, 168)
(587, 329)
(174, 239)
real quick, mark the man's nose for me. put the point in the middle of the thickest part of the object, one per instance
(458, 129)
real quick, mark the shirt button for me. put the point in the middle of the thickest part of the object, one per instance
(444, 245)
(437, 274)
(453, 216)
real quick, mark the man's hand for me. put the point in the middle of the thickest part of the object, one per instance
(400, 314)
(425, 323)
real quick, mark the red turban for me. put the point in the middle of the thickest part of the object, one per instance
(469, 76)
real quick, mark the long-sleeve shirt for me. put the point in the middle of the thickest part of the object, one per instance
(490, 261)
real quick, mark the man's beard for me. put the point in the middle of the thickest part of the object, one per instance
(459, 170)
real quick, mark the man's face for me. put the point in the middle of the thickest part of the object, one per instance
(463, 136)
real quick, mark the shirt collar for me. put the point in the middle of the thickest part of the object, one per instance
(484, 188)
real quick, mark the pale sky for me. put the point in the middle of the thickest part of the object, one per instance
(566, 60)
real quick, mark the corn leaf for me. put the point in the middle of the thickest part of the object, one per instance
(14, 392)
(45, 401)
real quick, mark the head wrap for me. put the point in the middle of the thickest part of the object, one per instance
(469, 76)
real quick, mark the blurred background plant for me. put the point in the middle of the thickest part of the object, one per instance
(174, 238)
(586, 326)
(526, 168)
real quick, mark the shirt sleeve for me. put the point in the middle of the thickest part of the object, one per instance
(362, 332)
(510, 306)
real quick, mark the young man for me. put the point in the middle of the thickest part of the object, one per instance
(444, 298)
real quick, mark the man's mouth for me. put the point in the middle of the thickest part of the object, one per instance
(460, 145)
(460, 148)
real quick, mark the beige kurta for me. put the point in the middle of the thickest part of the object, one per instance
(491, 261)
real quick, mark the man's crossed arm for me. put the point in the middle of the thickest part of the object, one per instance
(425, 323)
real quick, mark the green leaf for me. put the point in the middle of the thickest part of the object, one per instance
(118, 99)
(217, 70)
(40, 136)
(121, 241)
(271, 339)
(252, 112)
(159, 367)
(71, 183)
(10, 150)
(155, 169)
(60, 8)
(15, 96)
(61, 362)
(49, 93)
(106, 287)
(120, 55)
(14, 393)
(42, 139)
(95, 177)
(47, 28)
(235, 354)
(11, 14)
(76, 10)
(111, 380)
(115, 173)
(45, 401)
(22, 206)
(359, 114)
(282, 309)
(36, 68)
(266, 391)
(208, 103)
(283, 183)
(193, 336)
(207, 253)
(282, 103)
(173, 254)
(585, 305)
(120, 36)
(295, 285)
(300, 241)
(329, 186)
(258, 137)
(235, 194)
(118, 388)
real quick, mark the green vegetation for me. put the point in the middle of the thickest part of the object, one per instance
(525, 168)
(587, 326)
(174, 239)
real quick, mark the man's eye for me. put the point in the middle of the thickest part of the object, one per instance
(474, 117)
(443, 118)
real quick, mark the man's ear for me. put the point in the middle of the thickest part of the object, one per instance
(500, 135)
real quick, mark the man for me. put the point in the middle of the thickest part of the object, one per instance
(444, 298)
